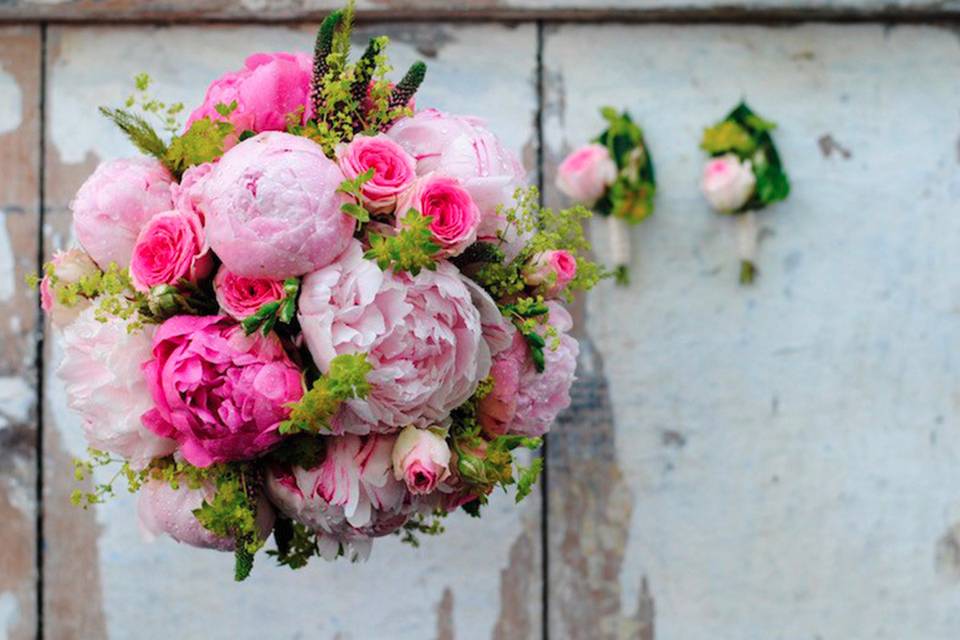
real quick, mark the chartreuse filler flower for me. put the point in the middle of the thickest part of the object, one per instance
(614, 175)
(743, 175)
(313, 316)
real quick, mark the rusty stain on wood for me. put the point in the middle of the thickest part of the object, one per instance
(519, 586)
(445, 628)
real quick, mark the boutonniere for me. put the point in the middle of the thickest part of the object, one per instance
(614, 176)
(743, 175)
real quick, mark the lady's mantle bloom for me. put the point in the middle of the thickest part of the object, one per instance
(728, 182)
(273, 210)
(421, 458)
(422, 334)
(171, 248)
(394, 170)
(104, 384)
(220, 394)
(586, 173)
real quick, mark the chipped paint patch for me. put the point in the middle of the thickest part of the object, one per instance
(11, 109)
(16, 401)
(8, 276)
(947, 554)
(445, 616)
(9, 613)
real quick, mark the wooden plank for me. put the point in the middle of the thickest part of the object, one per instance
(780, 460)
(481, 579)
(20, 64)
(288, 10)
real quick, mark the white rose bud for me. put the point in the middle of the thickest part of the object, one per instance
(421, 458)
(728, 183)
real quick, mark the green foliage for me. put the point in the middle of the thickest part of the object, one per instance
(202, 142)
(420, 524)
(410, 250)
(140, 132)
(296, 544)
(167, 114)
(527, 477)
(354, 188)
(267, 316)
(631, 196)
(304, 450)
(529, 316)
(84, 469)
(346, 380)
(728, 136)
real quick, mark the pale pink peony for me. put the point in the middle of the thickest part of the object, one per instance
(101, 373)
(728, 182)
(422, 334)
(69, 267)
(497, 331)
(455, 217)
(555, 269)
(421, 458)
(171, 248)
(347, 499)
(585, 174)
(240, 297)
(115, 203)
(394, 170)
(524, 401)
(269, 88)
(273, 210)
(165, 510)
(189, 192)
(463, 148)
(217, 392)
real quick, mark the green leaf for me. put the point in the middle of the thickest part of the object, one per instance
(346, 379)
(243, 563)
(356, 211)
(528, 477)
(143, 136)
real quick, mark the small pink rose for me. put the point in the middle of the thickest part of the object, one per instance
(170, 248)
(554, 268)
(240, 297)
(455, 216)
(69, 267)
(586, 173)
(728, 182)
(421, 458)
(394, 169)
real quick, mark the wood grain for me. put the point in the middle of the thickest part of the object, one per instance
(480, 580)
(780, 460)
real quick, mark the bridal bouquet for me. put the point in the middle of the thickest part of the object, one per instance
(315, 313)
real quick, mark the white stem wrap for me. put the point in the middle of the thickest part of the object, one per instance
(619, 233)
(748, 232)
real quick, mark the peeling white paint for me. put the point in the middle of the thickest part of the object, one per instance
(11, 108)
(16, 400)
(9, 613)
(8, 274)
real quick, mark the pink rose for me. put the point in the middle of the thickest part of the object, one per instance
(102, 377)
(728, 182)
(113, 205)
(69, 267)
(423, 335)
(347, 499)
(524, 401)
(273, 210)
(463, 148)
(171, 248)
(586, 173)
(240, 297)
(220, 394)
(188, 193)
(165, 510)
(455, 217)
(270, 87)
(421, 458)
(393, 170)
(554, 268)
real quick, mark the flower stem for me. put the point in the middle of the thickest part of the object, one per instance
(619, 248)
(748, 232)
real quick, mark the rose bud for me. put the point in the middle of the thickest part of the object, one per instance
(394, 170)
(240, 297)
(728, 182)
(554, 268)
(69, 267)
(170, 248)
(586, 173)
(455, 216)
(421, 458)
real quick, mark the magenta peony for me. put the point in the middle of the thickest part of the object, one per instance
(422, 334)
(165, 510)
(455, 217)
(115, 203)
(273, 210)
(171, 248)
(394, 170)
(269, 88)
(421, 458)
(217, 392)
(524, 401)
(240, 297)
(101, 373)
(554, 268)
(586, 173)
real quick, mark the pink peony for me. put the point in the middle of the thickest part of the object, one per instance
(171, 248)
(188, 193)
(270, 87)
(347, 499)
(728, 182)
(554, 268)
(104, 384)
(585, 174)
(273, 210)
(217, 392)
(69, 267)
(421, 458)
(497, 332)
(394, 170)
(165, 510)
(240, 297)
(455, 217)
(422, 334)
(462, 147)
(524, 401)
(115, 203)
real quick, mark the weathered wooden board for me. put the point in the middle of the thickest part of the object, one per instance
(482, 579)
(779, 461)
(122, 10)
(19, 225)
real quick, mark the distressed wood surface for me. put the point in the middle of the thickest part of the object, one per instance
(779, 461)
(480, 580)
(19, 223)
(132, 10)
